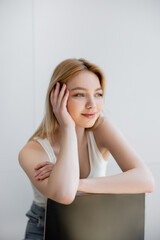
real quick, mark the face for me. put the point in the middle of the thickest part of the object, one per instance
(85, 100)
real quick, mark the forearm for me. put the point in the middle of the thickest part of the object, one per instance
(136, 180)
(64, 177)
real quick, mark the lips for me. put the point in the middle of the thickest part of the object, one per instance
(89, 115)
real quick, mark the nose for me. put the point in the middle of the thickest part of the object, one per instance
(90, 103)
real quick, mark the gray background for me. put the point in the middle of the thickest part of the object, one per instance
(122, 37)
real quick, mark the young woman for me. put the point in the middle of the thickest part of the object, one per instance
(69, 151)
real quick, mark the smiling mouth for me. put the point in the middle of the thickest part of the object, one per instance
(89, 115)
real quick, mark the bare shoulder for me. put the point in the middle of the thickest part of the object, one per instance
(103, 131)
(32, 151)
(29, 156)
(111, 138)
(32, 146)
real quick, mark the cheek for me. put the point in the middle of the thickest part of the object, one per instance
(73, 106)
(100, 104)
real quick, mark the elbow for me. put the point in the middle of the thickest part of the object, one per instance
(149, 183)
(63, 194)
(146, 182)
(68, 201)
(65, 199)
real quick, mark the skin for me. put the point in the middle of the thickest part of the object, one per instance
(58, 182)
(83, 97)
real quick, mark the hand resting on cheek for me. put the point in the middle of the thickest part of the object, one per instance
(59, 97)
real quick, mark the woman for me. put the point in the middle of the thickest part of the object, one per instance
(68, 153)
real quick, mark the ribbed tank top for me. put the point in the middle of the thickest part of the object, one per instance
(98, 165)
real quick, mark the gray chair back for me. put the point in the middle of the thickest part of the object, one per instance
(97, 217)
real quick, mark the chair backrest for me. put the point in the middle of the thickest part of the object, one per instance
(97, 217)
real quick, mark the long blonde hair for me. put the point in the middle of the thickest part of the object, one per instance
(62, 73)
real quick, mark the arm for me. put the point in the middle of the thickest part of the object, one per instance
(135, 178)
(65, 174)
(62, 183)
(43, 170)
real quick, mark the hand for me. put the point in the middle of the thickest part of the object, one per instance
(43, 170)
(58, 100)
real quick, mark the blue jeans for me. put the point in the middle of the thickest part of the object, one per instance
(35, 225)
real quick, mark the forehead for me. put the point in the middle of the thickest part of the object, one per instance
(85, 79)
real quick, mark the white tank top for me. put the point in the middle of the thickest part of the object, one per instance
(98, 165)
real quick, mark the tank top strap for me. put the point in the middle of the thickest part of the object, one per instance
(47, 148)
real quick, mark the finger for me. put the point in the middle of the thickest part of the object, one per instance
(44, 176)
(40, 172)
(55, 96)
(43, 170)
(56, 91)
(65, 98)
(41, 164)
(61, 94)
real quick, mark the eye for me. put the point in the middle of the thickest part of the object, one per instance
(99, 95)
(79, 95)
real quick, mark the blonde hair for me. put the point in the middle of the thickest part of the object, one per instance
(62, 73)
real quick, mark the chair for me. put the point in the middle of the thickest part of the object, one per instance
(96, 217)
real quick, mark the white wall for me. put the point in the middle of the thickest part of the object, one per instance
(122, 37)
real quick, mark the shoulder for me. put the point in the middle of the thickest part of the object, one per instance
(108, 134)
(29, 157)
(32, 150)
(104, 131)
(31, 147)
(104, 122)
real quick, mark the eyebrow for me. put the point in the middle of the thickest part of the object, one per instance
(80, 88)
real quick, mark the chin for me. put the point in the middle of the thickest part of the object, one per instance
(86, 124)
(90, 125)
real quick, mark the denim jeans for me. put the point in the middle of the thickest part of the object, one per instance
(35, 225)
